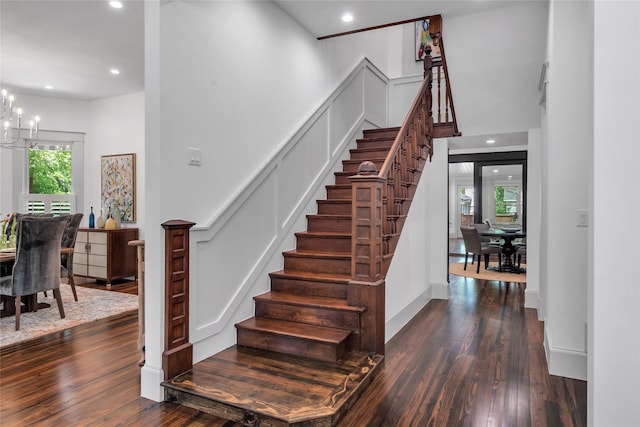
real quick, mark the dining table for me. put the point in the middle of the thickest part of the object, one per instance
(7, 258)
(506, 236)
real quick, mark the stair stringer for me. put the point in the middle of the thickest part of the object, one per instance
(212, 334)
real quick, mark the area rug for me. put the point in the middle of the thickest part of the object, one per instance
(458, 270)
(92, 304)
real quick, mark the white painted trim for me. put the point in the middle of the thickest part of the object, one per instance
(396, 321)
(531, 299)
(440, 291)
(564, 362)
(150, 379)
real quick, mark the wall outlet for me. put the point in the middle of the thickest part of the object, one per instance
(194, 156)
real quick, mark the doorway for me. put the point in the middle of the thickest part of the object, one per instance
(486, 187)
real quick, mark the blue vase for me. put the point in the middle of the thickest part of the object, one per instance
(92, 219)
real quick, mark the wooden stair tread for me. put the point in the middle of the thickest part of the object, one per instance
(327, 234)
(327, 216)
(335, 201)
(296, 330)
(308, 301)
(342, 279)
(279, 389)
(325, 255)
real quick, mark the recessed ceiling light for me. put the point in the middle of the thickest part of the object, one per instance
(347, 17)
(115, 4)
(114, 71)
(48, 87)
(495, 171)
(491, 141)
(510, 177)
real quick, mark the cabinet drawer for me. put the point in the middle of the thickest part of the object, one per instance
(80, 247)
(97, 260)
(100, 272)
(81, 237)
(79, 259)
(98, 238)
(80, 269)
(98, 249)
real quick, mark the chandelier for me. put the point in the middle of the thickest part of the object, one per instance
(12, 120)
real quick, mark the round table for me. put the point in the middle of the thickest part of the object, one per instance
(508, 249)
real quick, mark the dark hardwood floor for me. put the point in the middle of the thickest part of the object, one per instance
(475, 360)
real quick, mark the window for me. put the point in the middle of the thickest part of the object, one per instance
(53, 170)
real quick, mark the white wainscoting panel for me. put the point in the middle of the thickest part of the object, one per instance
(232, 255)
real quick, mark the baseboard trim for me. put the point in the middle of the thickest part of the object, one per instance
(150, 379)
(563, 362)
(440, 291)
(531, 299)
(401, 317)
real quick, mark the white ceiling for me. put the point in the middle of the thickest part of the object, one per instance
(72, 44)
(323, 18)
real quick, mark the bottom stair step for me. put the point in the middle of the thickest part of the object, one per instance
(258, 387)
(300, 339)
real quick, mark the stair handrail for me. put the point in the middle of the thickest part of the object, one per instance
(403, 165)
(437, 41)
(423, 98)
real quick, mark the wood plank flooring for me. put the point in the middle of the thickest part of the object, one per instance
(475, 360)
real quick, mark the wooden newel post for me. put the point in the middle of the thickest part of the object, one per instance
(177, 357)
(367, 286)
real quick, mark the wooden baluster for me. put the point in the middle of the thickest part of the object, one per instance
(139, 244)
(439, 79)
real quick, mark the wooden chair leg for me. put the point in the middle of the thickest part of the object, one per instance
(500, 262)
(73, 287)
(18, 310)
(58, 297)
(478, 266)
(466, 257)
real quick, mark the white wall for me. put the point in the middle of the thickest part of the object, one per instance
(567, 155)
(534, 213)
(614, 291)
(491, 57)
(59, 115)
(418, 272)
(115, 126)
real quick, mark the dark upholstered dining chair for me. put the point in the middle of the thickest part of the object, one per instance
(472, 245)
(37, 264)
(69, 241)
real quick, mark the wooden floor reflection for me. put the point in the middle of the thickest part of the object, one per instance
(474, 360)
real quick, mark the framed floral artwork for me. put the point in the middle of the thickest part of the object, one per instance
(423, 39)
(118, 185)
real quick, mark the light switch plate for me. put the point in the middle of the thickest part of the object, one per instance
(582, 217)
(194, 156)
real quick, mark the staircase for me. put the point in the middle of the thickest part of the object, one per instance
(317, 337)
(306, 312)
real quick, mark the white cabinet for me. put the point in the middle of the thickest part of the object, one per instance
(105, 254)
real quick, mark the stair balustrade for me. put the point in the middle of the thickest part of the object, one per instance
(380, 203)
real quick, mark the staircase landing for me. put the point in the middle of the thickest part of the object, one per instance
(258, 387)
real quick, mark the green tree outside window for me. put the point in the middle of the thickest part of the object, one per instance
(49, 172)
